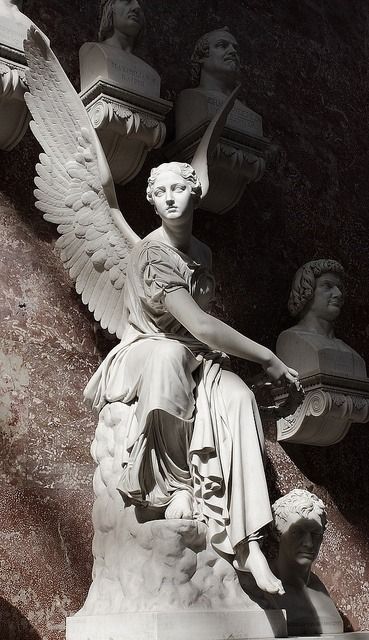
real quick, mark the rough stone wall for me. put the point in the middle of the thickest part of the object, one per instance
(305, 71)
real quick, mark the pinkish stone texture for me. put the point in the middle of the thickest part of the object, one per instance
(46, 356)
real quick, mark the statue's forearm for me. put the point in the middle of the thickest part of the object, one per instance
(214, 332)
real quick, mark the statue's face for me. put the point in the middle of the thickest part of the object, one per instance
(223, 55)
(128, 17)
(172, 196)
(328, 297)
(301, 539)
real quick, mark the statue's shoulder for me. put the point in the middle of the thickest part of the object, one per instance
(147, 243)
(292, 334)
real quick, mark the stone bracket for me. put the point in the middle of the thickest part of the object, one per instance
(14, 115)
(129, 125)
(331, 405)
(239, 159)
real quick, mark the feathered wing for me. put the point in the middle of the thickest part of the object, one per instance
(75, 189)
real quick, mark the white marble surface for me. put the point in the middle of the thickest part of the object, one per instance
(117, 67)
(178, 625)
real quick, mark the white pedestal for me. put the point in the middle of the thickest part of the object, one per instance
(199, 625)
(178, 625)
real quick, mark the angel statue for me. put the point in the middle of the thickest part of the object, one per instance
(192, 441)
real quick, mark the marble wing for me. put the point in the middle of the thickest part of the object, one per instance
(75, 189)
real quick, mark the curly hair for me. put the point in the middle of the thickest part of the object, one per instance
(181, 168)
(106, 28)
(303, 284)
(201, 51)
(301, 502)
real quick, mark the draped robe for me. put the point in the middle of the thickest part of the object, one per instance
(192, 424)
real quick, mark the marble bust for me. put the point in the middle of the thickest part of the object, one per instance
(112, 58)
(215, 73)
(316, 299)
(332, 374)
(300, 520)
(240, 156)
(13, 24)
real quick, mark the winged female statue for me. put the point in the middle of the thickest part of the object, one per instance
(193, 439)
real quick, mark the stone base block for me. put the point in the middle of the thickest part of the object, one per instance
(352, 635)
(178, 625)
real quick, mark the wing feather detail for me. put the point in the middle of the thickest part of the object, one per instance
(72, 186)
(118, 311)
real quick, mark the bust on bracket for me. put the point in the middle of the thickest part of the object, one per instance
(239, 157)
(121, 92)
(333, 375)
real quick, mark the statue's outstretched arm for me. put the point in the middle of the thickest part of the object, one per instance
(222, 337)
(75, 189)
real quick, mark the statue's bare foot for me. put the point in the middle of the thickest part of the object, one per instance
(250, 558)
(181, 506)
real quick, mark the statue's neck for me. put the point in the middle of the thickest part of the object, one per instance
(218, 84)
(313, 324)
(178, 235)
(121, 41)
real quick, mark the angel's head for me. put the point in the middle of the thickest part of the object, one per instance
(123, 17)
(173, 188)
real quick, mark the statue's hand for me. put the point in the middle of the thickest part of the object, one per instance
(278, 372)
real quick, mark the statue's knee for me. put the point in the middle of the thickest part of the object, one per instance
(239, 391)
(170, 352)
(250, 394)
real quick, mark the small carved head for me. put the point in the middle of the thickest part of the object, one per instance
(182, 169)
(304, 283)
(107, 26)
(300, 519)
(202, 51)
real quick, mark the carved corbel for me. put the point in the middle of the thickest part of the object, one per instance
(331, 405)
(128, 125)
(14, 116)
(239, 158)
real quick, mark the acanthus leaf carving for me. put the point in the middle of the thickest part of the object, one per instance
(119, 124)
(14, 116)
